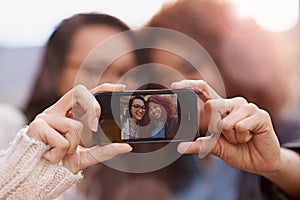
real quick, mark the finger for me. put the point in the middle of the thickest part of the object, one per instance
(108, 87)
(214, 112)
(202, 146)
(258, 123)
(78, 102)
(85, 109)
(98, 154)
(233, 127)
(235, 104)
(207, 145)
(84, 100)
(88, 117)
(204, 91)
(219, 112)
(189, 147)
(67, 127)
(41, 131)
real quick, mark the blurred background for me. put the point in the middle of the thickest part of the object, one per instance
(26, 25)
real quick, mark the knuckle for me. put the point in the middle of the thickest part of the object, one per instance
(226, 126)
(239, 127)
(239, 100)
(65, 144)
(209, 104)
(74, 127)
(252, 107)
(37, 124)
(47, 111)
(42, 116)
(264, 114)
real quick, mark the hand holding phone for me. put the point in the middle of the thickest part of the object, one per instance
(147, 116)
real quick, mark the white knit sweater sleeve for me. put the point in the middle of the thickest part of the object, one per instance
(24, 174)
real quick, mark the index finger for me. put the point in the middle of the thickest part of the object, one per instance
(108, 87)
(204, 91)
(81, 105)
(79, 95)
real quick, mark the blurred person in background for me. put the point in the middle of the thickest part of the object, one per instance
(187, 177)
(67, 48)
(65, 52)
(100, 182)
(251, 65)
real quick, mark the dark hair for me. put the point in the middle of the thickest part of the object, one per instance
(131, 101)
(59, 44)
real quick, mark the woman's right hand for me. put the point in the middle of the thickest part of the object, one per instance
(247, 139)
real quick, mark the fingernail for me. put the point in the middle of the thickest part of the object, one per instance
(127, 148)
(173, 84)
(124, 148)
(176, 85)
(202, 154)
(180, 84)
(122, 86)
(183, 147)
(94, 124)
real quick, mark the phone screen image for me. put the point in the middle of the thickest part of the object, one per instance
(149, 116)
(146, 116)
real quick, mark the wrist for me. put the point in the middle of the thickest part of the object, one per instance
(286, 176)
(278, 166)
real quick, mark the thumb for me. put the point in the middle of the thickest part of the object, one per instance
(98, 154)
(202, 146)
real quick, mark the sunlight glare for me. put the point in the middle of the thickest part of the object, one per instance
(274, 15)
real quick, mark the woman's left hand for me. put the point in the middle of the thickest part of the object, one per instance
(57, 127)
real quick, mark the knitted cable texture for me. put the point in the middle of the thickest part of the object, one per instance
(26, 175)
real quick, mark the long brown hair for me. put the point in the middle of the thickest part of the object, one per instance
(59, 44)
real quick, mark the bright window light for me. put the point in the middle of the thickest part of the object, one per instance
(274, 15)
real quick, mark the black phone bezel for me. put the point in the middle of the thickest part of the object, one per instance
(187, 111)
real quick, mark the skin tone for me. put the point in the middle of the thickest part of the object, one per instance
(247, 130)
(137, 113)
(81, 47)
(155, 110)
(248, 141)
(62, 133)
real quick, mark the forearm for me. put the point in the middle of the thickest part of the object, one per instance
(287, 177)
(26, 175)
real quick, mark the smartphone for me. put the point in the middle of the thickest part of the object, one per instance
(147, 116)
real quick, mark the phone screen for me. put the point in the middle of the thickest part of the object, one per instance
(147, 116)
